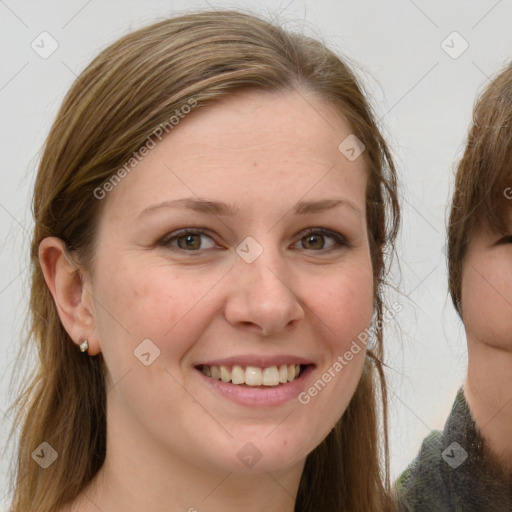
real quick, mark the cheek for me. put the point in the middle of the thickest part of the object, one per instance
(137, 302)
(345, 306)
(487, 304)
(343, 309)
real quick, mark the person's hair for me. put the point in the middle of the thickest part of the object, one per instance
(128, 90)
(483, 185)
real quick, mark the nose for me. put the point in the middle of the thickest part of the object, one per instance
(261, 297)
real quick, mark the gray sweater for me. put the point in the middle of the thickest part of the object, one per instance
(451, 473)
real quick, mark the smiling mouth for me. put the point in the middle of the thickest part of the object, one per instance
(254, 376)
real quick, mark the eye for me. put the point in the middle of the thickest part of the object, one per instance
(188, 240)
(320, 239)
(505, 240)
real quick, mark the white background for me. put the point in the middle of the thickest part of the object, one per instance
(423, 95)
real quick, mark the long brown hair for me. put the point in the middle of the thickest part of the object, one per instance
(132, 87)
(483, 182)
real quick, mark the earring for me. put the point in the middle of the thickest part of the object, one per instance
(84, 346)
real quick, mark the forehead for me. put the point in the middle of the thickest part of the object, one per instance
(251, 144)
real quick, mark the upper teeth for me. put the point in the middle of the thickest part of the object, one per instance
(253, 375)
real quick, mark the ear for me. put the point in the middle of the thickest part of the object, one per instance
(66, 283)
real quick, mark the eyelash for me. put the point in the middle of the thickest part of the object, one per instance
(339, 240)
(505, 240)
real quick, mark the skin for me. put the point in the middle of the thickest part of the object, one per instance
(172, 441)
(487, 312)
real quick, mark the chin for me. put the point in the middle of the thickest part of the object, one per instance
(249, 454)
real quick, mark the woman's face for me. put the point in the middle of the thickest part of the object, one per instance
(236, 249)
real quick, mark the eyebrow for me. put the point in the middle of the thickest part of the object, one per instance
(221, 208)
(308, 207)
(198, 205)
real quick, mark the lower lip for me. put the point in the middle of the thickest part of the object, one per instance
(259, 396)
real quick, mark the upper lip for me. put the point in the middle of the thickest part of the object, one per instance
(257, 361)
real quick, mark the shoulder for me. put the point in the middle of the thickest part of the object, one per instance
(451, 473)
(421, 485)
(424, 485)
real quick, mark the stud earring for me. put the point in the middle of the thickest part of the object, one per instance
(84, 346)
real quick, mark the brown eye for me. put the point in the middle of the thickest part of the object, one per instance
(189, 242)
(320, 239)
(313, 242)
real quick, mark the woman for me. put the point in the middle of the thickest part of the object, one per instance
(211, 214)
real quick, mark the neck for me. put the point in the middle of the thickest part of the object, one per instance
(488, 390)
(147, 477)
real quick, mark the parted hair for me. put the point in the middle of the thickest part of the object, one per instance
(128, 90)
